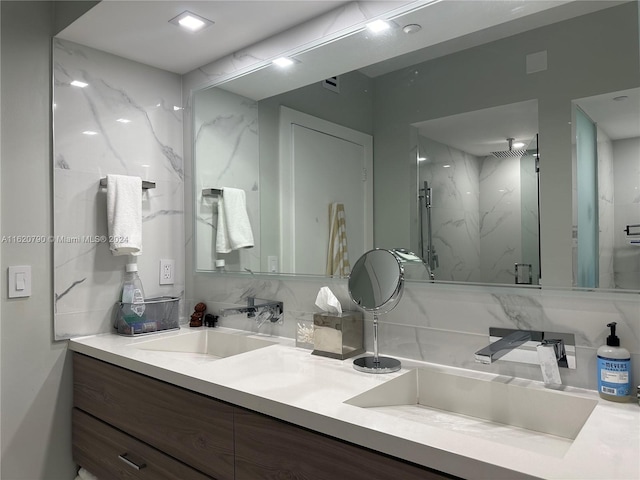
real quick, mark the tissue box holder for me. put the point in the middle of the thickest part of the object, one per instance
(160, 314)
(338, 336)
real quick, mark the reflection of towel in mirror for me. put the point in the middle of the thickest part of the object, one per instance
(234, 230)
(124, 214)
(337, 255)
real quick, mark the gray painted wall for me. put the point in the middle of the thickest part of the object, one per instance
(587, 55)
(35, 372)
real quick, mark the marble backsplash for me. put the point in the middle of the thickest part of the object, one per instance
(445, 323)
(126, 120)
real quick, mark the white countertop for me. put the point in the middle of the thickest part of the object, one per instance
(308, 390)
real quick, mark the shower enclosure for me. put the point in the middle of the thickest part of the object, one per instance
(478, 214)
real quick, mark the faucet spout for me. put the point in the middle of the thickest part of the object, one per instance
(273, 308)
(548, 350)
(495, 350)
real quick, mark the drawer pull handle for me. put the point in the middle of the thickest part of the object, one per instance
(131, 463)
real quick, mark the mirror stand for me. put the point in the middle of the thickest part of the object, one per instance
(376, 364)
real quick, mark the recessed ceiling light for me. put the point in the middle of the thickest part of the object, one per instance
(283, 62)
(411, 28)
(190, 21)
(78, 83)
(378, 26)
(518, 145)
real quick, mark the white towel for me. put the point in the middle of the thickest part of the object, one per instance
(124, 214)
(85, 475)
(337, 254)
(234, 229)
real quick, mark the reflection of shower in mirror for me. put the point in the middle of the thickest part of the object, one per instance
(428, 252)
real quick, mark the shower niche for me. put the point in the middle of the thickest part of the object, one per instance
(476, 217)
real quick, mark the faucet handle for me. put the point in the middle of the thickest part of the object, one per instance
(550, 352)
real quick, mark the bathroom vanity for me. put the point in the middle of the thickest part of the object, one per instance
(173, 405)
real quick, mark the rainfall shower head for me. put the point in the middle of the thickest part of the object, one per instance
(511, 152)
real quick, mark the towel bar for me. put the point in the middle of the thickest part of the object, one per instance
(630, 233)
(211, 192)
(145, 184)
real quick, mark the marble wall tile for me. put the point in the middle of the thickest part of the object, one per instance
(606, 202)
(226, 148)
(446, 323)
(135, 113)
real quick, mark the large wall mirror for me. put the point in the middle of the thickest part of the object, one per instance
(458, 144)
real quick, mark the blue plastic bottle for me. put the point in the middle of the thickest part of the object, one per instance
(614, 369)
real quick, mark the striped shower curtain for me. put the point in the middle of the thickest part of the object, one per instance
(337, 256)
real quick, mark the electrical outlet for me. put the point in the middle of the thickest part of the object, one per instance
(167, 272)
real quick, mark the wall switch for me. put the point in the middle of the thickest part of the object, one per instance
(272, 261)
(167, 271)
(19, 281)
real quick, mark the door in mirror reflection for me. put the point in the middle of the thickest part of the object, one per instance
(323, 165)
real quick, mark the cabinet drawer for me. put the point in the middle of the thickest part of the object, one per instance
(109, 453)
(190, 427)
(268, 449)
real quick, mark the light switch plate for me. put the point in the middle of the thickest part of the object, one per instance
(19, 281)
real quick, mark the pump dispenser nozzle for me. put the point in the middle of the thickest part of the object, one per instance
(613, 340)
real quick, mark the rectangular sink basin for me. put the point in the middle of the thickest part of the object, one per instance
(540, 420)
(210, 343)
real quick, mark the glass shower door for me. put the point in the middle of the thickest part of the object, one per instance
(587, 200)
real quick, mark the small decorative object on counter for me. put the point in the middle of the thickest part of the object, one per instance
(210, 320)
(198, 315)
(614, 365)
(338, 335)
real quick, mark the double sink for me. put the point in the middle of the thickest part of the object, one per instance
(485, 406)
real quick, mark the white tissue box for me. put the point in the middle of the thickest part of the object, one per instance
(338, 335)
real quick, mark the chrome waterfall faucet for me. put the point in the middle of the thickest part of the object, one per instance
(268, 310)
(549, 350)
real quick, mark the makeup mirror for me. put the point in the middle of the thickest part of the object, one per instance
(376, 284)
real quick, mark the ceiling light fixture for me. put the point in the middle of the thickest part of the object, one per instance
(517, 145)
(411, 28)
(283, 62)
(378, 26)
(78, 83)
(190, 21)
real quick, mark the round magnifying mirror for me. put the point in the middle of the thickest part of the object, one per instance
(375, 285)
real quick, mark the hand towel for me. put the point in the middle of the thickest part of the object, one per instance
(85, 475)
(124, 214)
(234, 229)
(337, 255)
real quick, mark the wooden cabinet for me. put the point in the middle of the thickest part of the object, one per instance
(192, 428)
(271, 449)
(123, 420)
(109, 453)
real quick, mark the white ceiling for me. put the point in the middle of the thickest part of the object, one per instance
(140, 30)
(484, 131)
